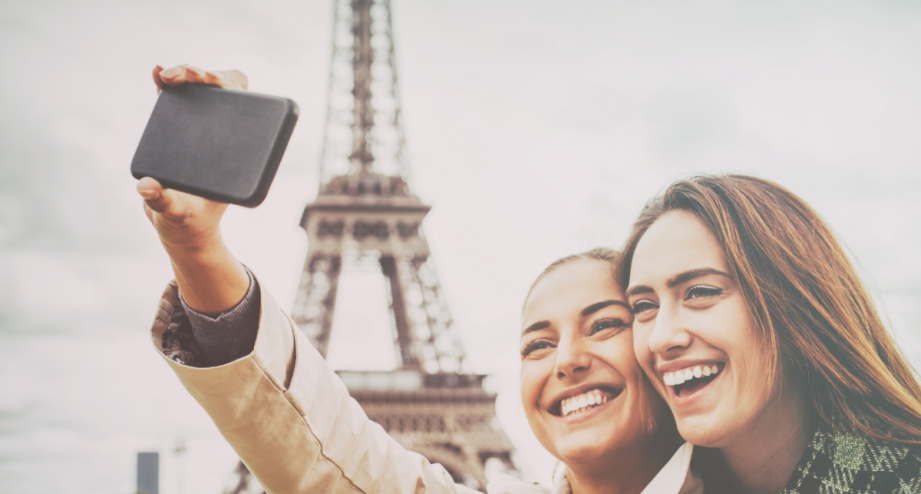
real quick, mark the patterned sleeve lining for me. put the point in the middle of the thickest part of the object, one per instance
(199, 340)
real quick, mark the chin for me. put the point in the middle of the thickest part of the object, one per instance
(700, 431)
(582, 447)
(580, 454)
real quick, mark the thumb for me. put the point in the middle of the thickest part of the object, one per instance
(155, 195)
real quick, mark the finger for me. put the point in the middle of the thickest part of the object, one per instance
(218, 78)
(173, 76)
(193, 74)
(182, 73)
(156, 78)
(238, 77)
(149, 188)
(156, 197)
(226, 78)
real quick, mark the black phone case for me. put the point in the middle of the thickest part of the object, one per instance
(220, 144)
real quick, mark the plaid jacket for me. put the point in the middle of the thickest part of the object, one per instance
(844, 461)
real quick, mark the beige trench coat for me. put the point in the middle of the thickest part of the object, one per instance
(291, 420)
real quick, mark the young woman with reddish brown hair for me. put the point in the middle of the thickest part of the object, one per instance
(752, 324)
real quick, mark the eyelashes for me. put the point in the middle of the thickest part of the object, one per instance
(607, 324)
(643, 306)
(695, 292)
(597, 327)
(535, 345)
(701, 291)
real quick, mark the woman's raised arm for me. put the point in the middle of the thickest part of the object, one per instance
(210, 278)
(285, 413)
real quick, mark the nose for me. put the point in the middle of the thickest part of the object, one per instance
(668, 335)
(572, 358)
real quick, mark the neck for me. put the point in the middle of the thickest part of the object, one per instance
(765, 456)
(627, 473)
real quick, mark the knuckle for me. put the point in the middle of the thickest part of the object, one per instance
(187, 217)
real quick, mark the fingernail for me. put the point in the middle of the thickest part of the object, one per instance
(148, 194)
(171, 72)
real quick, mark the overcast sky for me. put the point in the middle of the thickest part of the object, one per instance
(536, 129)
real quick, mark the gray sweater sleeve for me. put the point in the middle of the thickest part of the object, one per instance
(230, 335)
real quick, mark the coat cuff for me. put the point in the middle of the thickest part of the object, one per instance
(289, 417)
(230, 335)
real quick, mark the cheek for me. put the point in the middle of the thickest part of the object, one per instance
(647, 408)
(646, 361)
(534, 376)
(641, 350)
(621, 354)
(534, 379)
(737, 336)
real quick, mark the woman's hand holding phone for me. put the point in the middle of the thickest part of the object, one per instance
(209, 276)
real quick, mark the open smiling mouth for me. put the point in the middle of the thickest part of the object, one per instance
(688, 381)
(575, 405)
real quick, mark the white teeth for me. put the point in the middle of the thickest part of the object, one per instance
(582, 402)
(683, 376)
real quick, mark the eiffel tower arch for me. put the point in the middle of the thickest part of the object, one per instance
(366, 212)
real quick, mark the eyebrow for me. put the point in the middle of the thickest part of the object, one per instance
(591, 309)
(535, 327)
(678, 279)
(687, 276)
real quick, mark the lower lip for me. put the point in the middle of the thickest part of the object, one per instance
(696, 396)
(588, 414)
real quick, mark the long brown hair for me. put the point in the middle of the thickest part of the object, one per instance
(803, 293)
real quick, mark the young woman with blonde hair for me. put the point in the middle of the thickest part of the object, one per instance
(291, 420)
(585, 397)
(754, 327)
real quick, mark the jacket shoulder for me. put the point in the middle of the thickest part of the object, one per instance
(845, 461)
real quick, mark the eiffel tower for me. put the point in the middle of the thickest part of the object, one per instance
(366, 213)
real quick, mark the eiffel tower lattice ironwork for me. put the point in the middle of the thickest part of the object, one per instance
(365, 212)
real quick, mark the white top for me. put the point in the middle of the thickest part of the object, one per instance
(675, 477)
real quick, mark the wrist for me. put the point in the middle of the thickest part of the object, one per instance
(190, 245)
(210, 278)
(198, 254)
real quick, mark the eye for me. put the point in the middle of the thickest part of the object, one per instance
(534, 346)
(607, 324)
(702, 291)
(643, 305)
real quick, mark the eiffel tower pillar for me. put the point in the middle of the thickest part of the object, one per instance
(428, 403)
(366, 211)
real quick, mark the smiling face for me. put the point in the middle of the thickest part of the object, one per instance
(694, 335)
(582, 389)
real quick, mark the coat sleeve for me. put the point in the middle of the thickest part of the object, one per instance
(290, 418)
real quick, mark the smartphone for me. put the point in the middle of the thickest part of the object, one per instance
(220, 144)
